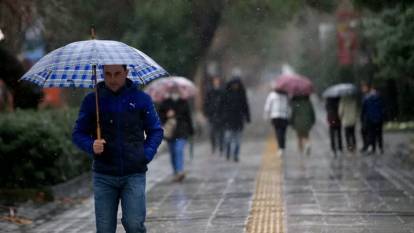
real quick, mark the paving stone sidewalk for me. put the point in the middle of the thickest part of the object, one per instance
(351, 193)
(215, 197)
(322, 194)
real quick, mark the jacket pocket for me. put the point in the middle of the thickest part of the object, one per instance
(134, 157)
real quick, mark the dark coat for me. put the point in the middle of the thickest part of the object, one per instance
(212, 107)
(332, 113)
(234, 107)
(184, 127)
(125, 117)
(372, 109)
(303, 114)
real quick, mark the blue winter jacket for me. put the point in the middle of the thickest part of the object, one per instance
(372, 109)
(129, 125)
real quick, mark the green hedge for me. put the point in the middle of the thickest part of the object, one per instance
(394, 125)
(36, 149)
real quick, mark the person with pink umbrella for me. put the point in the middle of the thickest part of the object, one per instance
(277, 109)
(303, 119)
(177, 109)
(299, 88)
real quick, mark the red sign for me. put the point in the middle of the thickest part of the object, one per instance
(347, 44)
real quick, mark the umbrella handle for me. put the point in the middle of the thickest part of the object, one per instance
(98, 125)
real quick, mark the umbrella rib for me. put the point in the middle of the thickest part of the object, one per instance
(46, 77)
(140, 78)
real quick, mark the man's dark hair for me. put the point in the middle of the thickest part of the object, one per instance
(123, 66)
(366, 83)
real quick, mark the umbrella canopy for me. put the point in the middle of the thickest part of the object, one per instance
(294, 84)
(159, 89)
(338, 90)
(80, 64)
(72, 65)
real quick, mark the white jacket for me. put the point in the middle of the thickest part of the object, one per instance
(277, 106)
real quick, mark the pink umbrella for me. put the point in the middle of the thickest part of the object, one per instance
(161, 88)
(294, 84)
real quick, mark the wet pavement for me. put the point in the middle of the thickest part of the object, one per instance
(350, 193)
(321, 194)
(215, 197)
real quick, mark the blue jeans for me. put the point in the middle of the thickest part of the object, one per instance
(216, 138)
(176, 147)
(109, 190)
(232, 140)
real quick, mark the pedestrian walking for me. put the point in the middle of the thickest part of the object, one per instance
(131, 134)
(348, 113)
(372, 116)
(213, 111)
(277, 109)
(302, 119)
(177, 108)
(364, 129)
(334, 123)
(235, 114)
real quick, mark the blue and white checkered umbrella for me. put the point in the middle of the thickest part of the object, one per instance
(71, 65)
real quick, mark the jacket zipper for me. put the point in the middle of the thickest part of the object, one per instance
(118, 131)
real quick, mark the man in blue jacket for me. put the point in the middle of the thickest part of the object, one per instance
(131, 134)
(372, 117)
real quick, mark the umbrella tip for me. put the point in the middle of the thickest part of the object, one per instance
(93, 32)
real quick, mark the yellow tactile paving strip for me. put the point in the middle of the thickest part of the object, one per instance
(266, 214)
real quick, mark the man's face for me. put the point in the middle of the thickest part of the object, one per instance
(364, 88)
(216, 83)
(115, 76)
